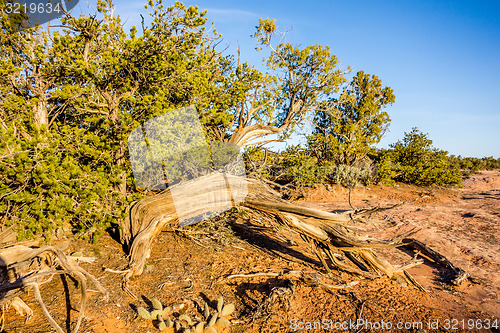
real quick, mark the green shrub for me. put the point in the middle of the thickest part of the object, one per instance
(474, 164)
(300, 166)
(57, 179)
(422, 164)
(297, 164)
(386, 169)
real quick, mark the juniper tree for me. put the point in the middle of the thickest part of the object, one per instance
(419, 162)
(99, 83)
(350, 124)
(297, 82)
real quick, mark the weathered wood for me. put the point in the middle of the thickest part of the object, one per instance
(20, 258)
(325, 231)
(300, 210)
(456, 275)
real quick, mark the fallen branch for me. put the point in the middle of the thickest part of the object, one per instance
(455, 275)
(20, 257)
(308, 277)
(326, 233)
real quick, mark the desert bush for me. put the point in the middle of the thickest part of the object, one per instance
(56, 179)
(364, 172)
(261, 162)
(422, 164)
(474, 164)
(351, 175)
(491, 163)
(386, 168)
(303, 169)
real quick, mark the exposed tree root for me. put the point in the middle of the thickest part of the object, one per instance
(24, 267)
(328, 234)
(454, 274)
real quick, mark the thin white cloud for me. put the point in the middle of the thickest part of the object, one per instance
(231, 14)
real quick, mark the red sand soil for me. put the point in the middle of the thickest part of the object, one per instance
(460, 223)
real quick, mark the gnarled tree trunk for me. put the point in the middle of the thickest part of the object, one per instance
(326, 232)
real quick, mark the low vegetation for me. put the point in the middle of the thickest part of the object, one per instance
(70, 97)
(412, 160)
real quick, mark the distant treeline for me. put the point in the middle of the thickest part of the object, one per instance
(412, 160)
(474, 164)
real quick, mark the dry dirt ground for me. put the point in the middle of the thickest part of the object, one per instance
(187, 270)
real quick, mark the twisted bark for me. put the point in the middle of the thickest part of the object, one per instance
(325, 232)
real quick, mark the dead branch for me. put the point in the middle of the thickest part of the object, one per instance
(308, 277)
(51, 261)
(326, 233)
(455, 275)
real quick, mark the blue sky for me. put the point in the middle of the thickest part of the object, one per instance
(442, 58)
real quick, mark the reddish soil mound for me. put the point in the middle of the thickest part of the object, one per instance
(461, 223)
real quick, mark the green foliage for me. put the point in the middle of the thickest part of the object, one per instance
(414, 160)
(56, 179)
(347, 126)
(351, 176)
(265, 30)
(420, 163)
(474, 164)
(298, 165)
(386, 169)
(298, 81)
(69, 99)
